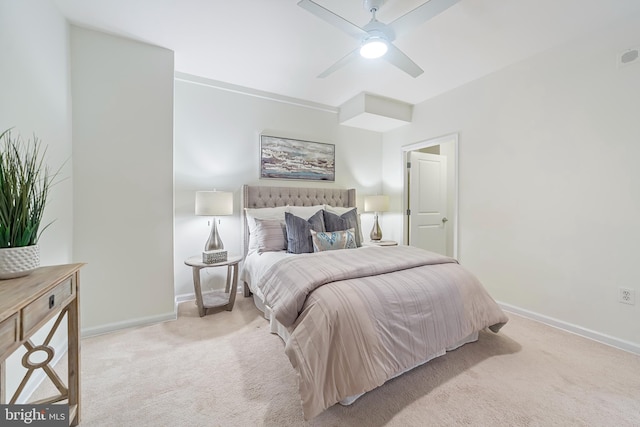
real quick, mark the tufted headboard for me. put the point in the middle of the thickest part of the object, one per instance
(269, 197)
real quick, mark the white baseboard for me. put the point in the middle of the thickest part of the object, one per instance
(141, 321)
(192, 296)
(578, 330)
(185, 297)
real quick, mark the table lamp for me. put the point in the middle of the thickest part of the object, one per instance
(214, 203)
(376, 204)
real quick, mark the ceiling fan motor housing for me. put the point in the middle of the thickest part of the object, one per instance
(371, 5)
(379, 29)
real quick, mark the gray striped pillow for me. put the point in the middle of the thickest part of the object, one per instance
(299, 232)
(271, 235)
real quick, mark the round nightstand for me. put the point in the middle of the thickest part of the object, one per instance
(381, 243)
(217, 299)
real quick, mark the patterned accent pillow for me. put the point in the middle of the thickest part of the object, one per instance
(271, 235)
(299, 232)
(330, 240)
(345, 221)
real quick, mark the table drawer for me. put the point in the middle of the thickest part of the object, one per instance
(8, 334)
(41, 308)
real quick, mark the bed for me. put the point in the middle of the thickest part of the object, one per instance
(352, 318)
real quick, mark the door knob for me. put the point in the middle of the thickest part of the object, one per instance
(444, 220)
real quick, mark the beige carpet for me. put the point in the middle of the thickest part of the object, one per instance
(226, 370)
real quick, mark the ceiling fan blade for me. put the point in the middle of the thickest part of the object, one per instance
(420, 15)
(341, 63)
(332, 18)
(396, 57)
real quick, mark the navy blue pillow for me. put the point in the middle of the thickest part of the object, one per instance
(347, 220)
(299, 231)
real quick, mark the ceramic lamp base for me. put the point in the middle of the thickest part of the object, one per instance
(376, 232)
(214, 242)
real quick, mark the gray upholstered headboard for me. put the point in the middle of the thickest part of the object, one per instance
(269, 197)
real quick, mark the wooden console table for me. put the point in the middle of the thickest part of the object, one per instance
(26, 304)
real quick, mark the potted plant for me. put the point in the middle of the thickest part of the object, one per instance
(25, 181)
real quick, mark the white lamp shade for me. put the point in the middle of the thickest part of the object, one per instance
(376, 203)
(214, 203)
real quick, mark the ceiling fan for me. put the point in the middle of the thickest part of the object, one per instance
(376, 37)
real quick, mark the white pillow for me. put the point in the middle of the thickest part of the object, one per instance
(304, 212)
(261, 213)
(338, 210)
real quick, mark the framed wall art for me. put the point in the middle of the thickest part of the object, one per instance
(286, 158)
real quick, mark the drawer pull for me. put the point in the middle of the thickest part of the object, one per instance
(45, 306)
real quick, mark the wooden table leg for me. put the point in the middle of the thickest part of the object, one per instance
(234, 286)
(3, 378)
(198, 290)
(73, 353)
(226, 288)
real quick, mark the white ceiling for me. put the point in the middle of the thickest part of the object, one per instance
(278, 47)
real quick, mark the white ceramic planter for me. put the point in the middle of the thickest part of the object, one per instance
(18, 262)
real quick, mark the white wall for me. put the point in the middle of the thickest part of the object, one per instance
(217, 146)
(34, 83)
(123, 190)
(548, 157)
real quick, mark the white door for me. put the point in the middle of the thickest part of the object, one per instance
(428, 201)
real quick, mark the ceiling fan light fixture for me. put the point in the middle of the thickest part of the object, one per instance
(374, 47)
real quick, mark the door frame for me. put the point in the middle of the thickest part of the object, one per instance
(450, 138)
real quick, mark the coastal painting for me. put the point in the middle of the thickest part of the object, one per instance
(285, 158)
